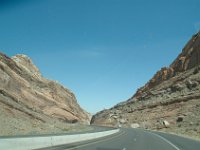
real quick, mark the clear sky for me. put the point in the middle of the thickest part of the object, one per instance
(103, 50)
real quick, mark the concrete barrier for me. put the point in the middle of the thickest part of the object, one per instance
(29, 143)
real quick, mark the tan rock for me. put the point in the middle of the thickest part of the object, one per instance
(22, 87)
(166, 123)
(172, 91)
(135, 125)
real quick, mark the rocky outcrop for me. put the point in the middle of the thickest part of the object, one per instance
(24, 90)
(172, 92)
(189, 58)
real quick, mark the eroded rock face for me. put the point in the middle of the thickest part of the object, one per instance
(172, 92)
(189, 58)
(23, 88)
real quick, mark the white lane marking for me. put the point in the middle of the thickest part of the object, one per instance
(99, 141)
(164, 139)
(124, 148)
(135, 140)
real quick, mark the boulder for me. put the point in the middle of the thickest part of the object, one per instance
(166, 123)
(122, 121)
(191, 84)
(177, 87)
(196, 70)
(113, 116)
(180, 119)
(135, 125)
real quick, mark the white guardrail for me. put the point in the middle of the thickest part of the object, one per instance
(30, 143)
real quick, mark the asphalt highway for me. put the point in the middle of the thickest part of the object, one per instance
(134, 139)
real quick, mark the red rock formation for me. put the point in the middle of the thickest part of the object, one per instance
(189, 58)
(22, 87)
(172, 92)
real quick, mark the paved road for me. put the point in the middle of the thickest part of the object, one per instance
(134, 139)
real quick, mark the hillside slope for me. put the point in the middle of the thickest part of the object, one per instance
(170, 101)
(29, 101)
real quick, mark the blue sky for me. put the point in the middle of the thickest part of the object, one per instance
(103, 50)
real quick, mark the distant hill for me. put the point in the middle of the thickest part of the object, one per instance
(170, 101)
(31, 103)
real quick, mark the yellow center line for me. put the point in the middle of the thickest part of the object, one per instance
(99, 141)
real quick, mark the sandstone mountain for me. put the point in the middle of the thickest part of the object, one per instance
(170, 101)
(28, 100)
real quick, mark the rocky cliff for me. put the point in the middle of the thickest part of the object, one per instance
(28, 99)
(189, 58)
(169, 101)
